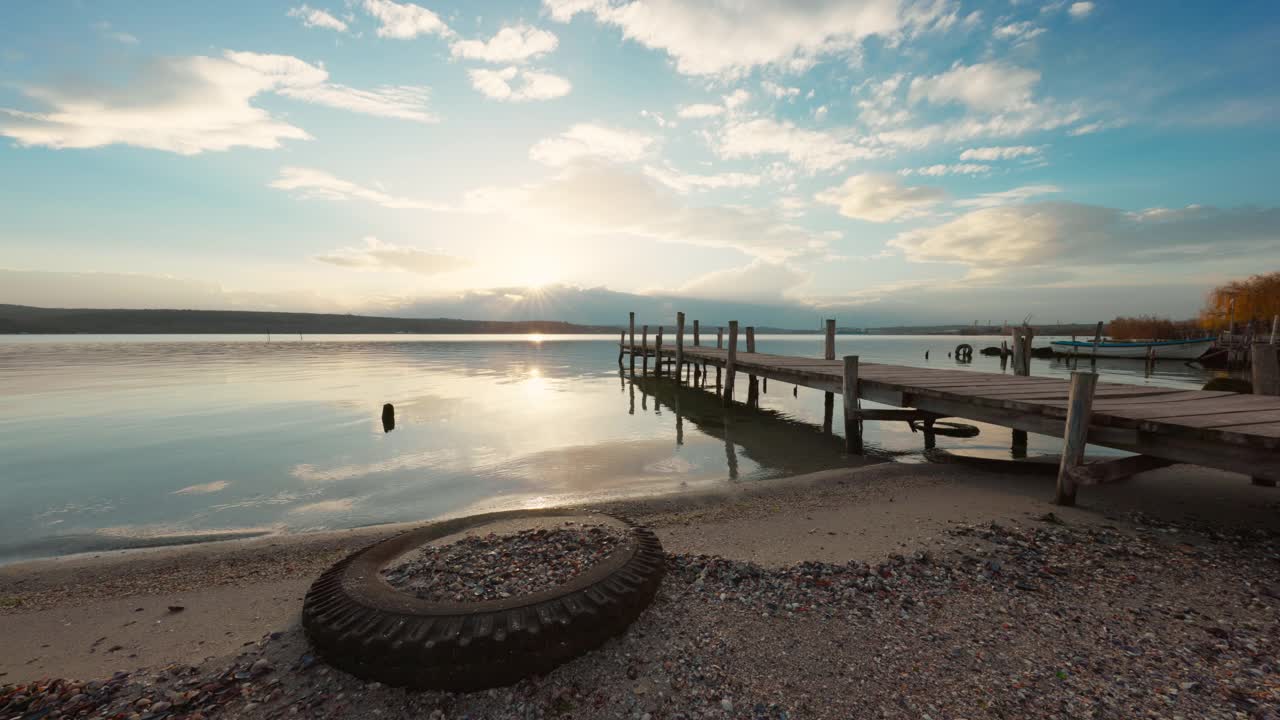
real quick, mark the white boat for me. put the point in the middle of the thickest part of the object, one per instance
(1163, 349)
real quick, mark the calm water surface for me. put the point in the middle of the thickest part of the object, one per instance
(123, 441)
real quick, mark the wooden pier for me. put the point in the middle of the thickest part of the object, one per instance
(1223, 430)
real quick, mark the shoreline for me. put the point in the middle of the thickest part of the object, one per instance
(202, 606)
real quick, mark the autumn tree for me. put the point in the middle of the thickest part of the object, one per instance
(1256, 299)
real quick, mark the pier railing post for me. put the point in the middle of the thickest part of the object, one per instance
(679, 346)
(632, 348)
(829, 344)
(719, 338)
(852, 421)
(657, 353)
(751, 339)
(1076, 435)
(696, 339)
(644, 349)
(730, 362)
(622, 343)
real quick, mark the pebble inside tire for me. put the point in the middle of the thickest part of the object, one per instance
(358, 622)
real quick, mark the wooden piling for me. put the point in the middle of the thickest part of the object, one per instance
(622, 344)
(679, 346)
(657, 353)
(632, 347)
(828, 410)
(697, 341)
(720, 338)
(1022, 367)
(852, 423)
(1076, 435)
(751, 339)
(1097, 340)
(829, 345)
(730, 363)
(644, 349)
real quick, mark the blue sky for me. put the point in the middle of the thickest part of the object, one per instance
(882, 160)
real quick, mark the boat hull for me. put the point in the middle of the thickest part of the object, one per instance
(1165, 350)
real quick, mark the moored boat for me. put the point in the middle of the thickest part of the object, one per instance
(1162, 349)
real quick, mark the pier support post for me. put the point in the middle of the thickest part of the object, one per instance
(697, 340)
(1076, 436)
(730, 362)
(622, 344)
(753, 384)
(679, 346)
(657, 353)
(719, 338)
(751, 339)
(828, 410)
(829, 342)
(1022, 367)
(644, 349)
(632, 347)
(852, 422)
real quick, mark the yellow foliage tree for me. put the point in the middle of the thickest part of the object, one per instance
(1256, 299)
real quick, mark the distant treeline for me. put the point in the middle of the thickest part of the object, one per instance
(24, 319)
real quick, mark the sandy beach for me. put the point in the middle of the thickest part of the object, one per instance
(963, 589)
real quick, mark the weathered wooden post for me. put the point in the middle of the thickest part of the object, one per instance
(1265, 375)
(730, 362)
(1076, 435)
(1097, 340)
(632, 347)
(751, 339)
(1275, 327)
(657, 353)
(697, 341)
(720, 338)
(753, 383)
(644, 349)
(852, 422)
(622, 343)
(679, 346)
(828, 410)
(829, 345)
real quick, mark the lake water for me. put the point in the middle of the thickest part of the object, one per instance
(125, 441)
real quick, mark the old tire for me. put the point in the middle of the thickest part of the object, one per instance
(360, 623)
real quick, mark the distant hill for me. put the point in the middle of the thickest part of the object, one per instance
(34, 320)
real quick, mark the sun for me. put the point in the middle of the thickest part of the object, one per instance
(536, 274)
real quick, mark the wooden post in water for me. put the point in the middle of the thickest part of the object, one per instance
(1021, 367)
(720, 338)
(696, 339)
(657, 353)
(644, 349)
(852, 422)
(751, 339)
(632, 347)
(829, 344)
(1097, 340)
(753, 383)
(622, 343)
(1076, 435)
(730, 362)
(828, 410)
(679, 346)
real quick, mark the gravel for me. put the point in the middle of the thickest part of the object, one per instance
(1044, 620)
(491, 567)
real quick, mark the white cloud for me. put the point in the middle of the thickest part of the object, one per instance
(879, 197)
(732, 38)
(811, 149)
(685, 182)
(820, 112)
(313, 18)
(189, 105)
(987, 87)
(969, 128)
(737, 98)
(700, 110)
(513, 84)
(378, 255)
(879, 106)
(514, 44)
(1018, 32)
(956, 169)
(585, 141)
(105, 30)
(777, 91)
(1080, 10)
(1046, 233)
(1018, 194)
(312, 183)
(658, 118)
(1008, 152)
(760, 281)
(403, 21)
(597, 199)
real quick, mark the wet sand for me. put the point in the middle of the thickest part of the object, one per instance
(90, 616)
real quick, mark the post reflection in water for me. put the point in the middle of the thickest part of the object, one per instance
(764, 436)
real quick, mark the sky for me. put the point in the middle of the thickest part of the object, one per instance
(879, 161)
